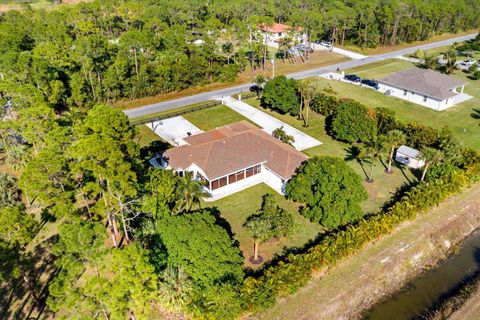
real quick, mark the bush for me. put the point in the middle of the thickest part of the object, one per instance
(281, 94)
(353, 122)
(325, 104)
(295, 271)
(330, 190)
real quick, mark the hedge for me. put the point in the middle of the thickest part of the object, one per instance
(296, 270)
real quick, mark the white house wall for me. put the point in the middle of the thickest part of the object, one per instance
(417, 98)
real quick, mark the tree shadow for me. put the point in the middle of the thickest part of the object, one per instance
(40, 263)
(353, 154)
(475, 114)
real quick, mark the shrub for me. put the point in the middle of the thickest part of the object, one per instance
(281, 94)
(325, 104)
(354, 122)
(330, 190)
(295, 271)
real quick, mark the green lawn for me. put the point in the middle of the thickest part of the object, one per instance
(460, 119)
(238, 207)
(385, 185)
(145, 136)
(215, 117)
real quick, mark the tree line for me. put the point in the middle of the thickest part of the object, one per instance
(109, 50)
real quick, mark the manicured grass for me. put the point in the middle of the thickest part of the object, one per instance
(460, 119)
(385, 185)
(172, 111)
(145, 136)
(238, 207)
(215, 117)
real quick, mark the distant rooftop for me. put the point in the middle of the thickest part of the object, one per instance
(277, 28)
(423, 81)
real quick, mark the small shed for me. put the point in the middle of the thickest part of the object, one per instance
(409, 157)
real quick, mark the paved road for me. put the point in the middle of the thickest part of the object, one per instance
(172, 104)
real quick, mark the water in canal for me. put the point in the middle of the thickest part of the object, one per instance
(424, 291)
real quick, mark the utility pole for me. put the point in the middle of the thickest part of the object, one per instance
(273, 67)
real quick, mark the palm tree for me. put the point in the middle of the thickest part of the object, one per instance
(281, 135)
(307, 92)
(395, 138)
(260, 81)
(429, 61)
(373, 150)
(260, 231)
(432, 156)
(175, 288)
(189, 193)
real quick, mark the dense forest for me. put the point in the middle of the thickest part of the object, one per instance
(127, 241)
(107, 50)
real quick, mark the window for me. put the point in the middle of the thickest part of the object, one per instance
(232, 178)
(240, 175)
(249, 172)
(424, 98)
(215, 184)
(223, 181)
(257, 169)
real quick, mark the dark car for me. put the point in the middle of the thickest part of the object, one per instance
(370, 83)
(353, 78)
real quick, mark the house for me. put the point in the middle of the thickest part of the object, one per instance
(234, 157)
(425, 87)
(274, 34)
(409, 157)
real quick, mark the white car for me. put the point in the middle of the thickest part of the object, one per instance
(467, 63)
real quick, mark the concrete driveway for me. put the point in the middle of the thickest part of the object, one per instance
(173, 130)
(268, 123)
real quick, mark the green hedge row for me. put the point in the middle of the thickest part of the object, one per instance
(296, 270)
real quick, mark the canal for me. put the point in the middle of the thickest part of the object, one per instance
(425, 290)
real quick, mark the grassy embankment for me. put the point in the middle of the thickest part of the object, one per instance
(381, 49)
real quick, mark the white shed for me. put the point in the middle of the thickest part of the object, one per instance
(409, 157)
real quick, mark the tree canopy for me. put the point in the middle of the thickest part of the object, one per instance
(354, 122)
(281, 94)
(330, 189)
(196, 243)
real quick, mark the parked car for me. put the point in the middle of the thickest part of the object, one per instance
(304, 48)
(353, 78)
(370, 83)
(467, 63)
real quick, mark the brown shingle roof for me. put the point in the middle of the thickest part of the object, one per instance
(427, 82)
(234, 147)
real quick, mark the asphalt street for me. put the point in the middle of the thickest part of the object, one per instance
(175, 103)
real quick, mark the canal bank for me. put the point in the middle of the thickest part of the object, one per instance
(435, 289)
(384, 266)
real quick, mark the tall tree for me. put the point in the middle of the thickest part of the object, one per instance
(394, 138)
(330, 189)
(432, 156)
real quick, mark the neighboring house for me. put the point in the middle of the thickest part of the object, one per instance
(276, 33)
(234, 157)
(409, 157)
(425, 87)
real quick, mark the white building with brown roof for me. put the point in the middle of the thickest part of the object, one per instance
(235, 157)
(425, 87)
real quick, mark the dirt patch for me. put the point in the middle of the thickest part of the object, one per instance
(385, 265)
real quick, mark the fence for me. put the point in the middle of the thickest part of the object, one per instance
(176, 113)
